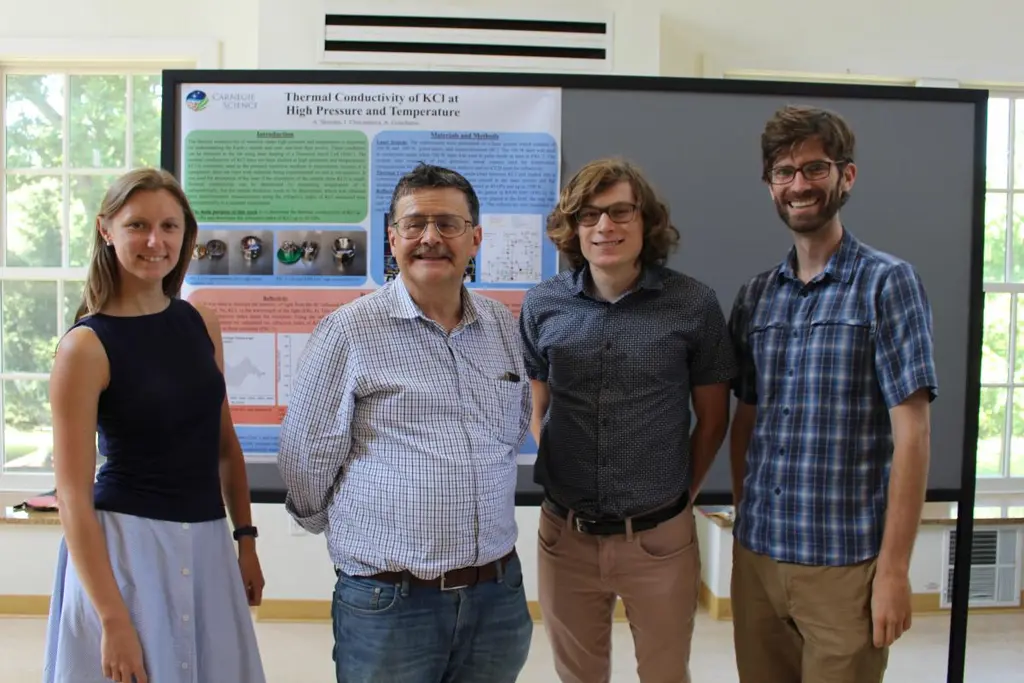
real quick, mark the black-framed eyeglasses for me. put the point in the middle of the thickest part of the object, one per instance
(411, 227)
(812, 170)
(619, 212)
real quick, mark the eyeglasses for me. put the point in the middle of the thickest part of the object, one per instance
(619, 212)
(411, 227)
(812, 170)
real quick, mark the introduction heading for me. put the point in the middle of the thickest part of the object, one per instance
(416, 105)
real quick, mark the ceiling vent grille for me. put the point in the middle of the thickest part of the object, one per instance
(469, 42)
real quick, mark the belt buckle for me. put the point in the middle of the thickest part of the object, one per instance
(446, 587)
(578, 523)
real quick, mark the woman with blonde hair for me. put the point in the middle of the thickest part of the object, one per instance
(148, 586)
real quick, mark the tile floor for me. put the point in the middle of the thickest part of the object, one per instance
(295, 652)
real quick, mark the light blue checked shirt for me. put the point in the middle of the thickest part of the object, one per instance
(400, 439)
(824, 363)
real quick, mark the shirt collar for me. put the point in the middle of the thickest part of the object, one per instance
(402, 305)
(840, 266)
(651, 277)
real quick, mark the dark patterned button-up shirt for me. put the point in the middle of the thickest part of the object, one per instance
(615, 440)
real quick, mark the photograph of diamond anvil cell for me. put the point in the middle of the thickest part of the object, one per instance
(216, 249)
(252, 247)
(289, 252)
(344, 249)
(310, 250)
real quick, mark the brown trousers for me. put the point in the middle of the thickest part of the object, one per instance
(656, 572)
(794, 623)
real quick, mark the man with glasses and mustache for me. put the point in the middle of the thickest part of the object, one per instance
(617, 346)
(830, 441)
(400, 445)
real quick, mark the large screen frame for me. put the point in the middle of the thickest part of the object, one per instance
(964, 495)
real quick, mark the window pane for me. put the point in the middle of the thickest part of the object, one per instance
(33, 220)
(28, 440)
(29, 325)
(34, 121)
(991, 427)
(98, 123)
(72, 300)
(995, 344)
(86, 196)
(1017, 236)
(1017, 442)
(1018, 145)
(146, 113)
(995, 237)
(998, 148)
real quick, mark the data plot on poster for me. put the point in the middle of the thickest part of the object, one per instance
(248, 369)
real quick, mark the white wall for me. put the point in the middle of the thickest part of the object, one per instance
(969, 41)
(908, 40)
(230, 25)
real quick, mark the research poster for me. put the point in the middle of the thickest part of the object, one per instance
(291, 185)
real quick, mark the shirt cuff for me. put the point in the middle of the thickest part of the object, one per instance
(314, 523)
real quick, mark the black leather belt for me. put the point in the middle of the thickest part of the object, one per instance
(611, 527)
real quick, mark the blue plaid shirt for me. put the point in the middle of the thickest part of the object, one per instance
(824, 362)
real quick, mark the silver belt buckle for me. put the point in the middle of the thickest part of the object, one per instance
(446, 587)
(579, 524)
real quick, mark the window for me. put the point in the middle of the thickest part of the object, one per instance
(65, 135)
(1001, 417)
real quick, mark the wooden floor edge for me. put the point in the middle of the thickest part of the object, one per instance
(320, 610)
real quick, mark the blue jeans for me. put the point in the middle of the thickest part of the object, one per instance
(404, 633)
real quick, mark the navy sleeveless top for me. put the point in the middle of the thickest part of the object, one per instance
(159, 417)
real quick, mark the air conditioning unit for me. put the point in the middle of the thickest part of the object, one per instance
(513, 39)
(995, 567)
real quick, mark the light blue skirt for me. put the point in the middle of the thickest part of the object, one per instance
(184, 592)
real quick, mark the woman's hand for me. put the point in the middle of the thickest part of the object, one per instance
(252, 574)
(122, 653)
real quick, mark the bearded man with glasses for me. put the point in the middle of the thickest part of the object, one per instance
(617, 347)
(830, 441)
(400, 444)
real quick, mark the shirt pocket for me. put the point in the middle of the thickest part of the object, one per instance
(504, 401)
(768, 349)
(842, 350)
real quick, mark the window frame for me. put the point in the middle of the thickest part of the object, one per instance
(75, 56)
(1005, 481)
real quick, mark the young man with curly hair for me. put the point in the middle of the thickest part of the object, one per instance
(616, 347)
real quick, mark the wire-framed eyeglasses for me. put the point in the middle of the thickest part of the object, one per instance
(411, 227)
(619, 212)
(812, 170)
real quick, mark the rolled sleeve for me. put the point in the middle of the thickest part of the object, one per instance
(316, 430)
(536, 362)
(714, 360)
(744, 382)
(904, 351)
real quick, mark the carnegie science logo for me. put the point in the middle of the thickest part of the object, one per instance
(196, 100)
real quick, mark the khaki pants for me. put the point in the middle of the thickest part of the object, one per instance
(656, 572)
(793, 623)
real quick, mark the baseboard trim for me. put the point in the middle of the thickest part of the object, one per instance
(920, 603)
(24, 605)
(320, 610)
